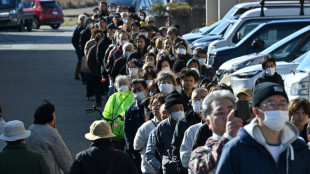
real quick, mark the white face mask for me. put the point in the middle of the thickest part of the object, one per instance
(201, 61)
(181, 51)
(177, 115)
(270, 71)
(127, 53)
(141, 17)
(165, 68)
(123, 42)
(146, 34)
(166, 88)
(148, 82)
(139, 96)
(112, 9)
(276, 119)
(90, 25)
(196, 106)
(123, 88)
(133, 71)
(178, 88)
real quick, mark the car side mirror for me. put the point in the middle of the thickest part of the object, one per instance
(256, 44)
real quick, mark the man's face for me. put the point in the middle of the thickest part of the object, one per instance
(141, 43)
(123, 36)
(102, 6)
(299, 118)
(188, 82)
(274, 102)
(136, 88)
(102, 24)
(128, 23)
(217, 119)
(163, 112)
(198, 96)
(175, 108)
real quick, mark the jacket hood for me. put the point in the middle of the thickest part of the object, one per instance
(288, 135)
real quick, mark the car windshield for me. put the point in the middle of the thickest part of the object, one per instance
(231, 12)
(49, 4)
(7, 4)
(305, 64)
(219, 30)
(29, 4)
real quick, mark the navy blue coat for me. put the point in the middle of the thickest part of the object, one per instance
(244, 155)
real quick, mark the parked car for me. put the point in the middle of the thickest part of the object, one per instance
(236, 12)
(287, 49)
(257, 40)
(46, 12)
(137, 4)
(297, 83)
(13, 16)
(245, 77)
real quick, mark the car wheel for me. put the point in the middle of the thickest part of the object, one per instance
(20, 26)
(55, 26)
(36, 22)
(29, 25)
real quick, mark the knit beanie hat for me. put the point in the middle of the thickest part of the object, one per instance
(173, 99)
(178, 65)
(265, 90)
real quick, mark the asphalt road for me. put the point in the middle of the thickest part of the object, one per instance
(40, 65)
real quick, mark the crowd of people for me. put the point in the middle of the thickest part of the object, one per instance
(170, 115)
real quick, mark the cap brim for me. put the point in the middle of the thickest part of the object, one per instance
(92, 137)
(15, 138)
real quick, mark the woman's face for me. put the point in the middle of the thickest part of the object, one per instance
(141, 43)
(165, 64)
(131, 65)
(150, 58)
(299, 118)
(123, 82)
(155, 107)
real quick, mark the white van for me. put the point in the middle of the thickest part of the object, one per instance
(251, 19)
(297, 83)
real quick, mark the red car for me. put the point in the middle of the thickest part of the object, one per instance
(46, 12)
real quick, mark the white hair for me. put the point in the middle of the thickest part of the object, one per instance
(120, 78)
(80, 17)
(148, 18)
(126, 45)
(199, 90)
(215, 95)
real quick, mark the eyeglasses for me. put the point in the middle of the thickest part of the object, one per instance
(273, 106)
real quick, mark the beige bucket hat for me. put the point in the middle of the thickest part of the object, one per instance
(99, 129)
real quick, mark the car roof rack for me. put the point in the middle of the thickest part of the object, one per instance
(302, 2)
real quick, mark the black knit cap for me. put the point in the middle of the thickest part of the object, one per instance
(265, 90)
(173, 99)
(178, 66)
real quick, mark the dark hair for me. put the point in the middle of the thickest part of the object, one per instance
(44, 113)
(135, 62)
(164, 76)
(173, 30)
(267, 58)
(299, 103)
(137, 81)
(180, 42)
(222, 86)
(193, 60)
(161, 59)
(186, 72)
(102, 2)
(149, 73)
(136, 24)
(198, 51)
(160, 97)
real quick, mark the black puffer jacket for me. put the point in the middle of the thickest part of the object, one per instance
(276, 78)
(98, 160)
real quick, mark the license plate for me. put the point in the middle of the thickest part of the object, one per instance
(55, 13)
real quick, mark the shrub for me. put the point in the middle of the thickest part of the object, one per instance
(171, 9)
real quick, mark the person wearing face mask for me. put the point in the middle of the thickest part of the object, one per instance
(119, 67)
(117, 52)
(270, 138)
(166, 83)
(134, 118)
(269, 74)
(180, 50)
(133, 69)
(192, 117)
(116, 106)
(163, 63)
(206, 71)
(164, 131)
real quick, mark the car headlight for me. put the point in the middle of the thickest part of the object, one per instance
(13, 12)
(249, 74)
(300, 88)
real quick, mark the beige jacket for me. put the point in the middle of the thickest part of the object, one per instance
(46, 140)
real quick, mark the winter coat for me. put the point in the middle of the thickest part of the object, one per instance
(249, 153)
(208, 72)
(202, 135)
(117, 105)
(140, 142)
(102, 48)
(101, 158)
(163, 136)
(76, 37)
(85, 35)
(16, 159)
(276, 78)
(46, 140)
(190, 119)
